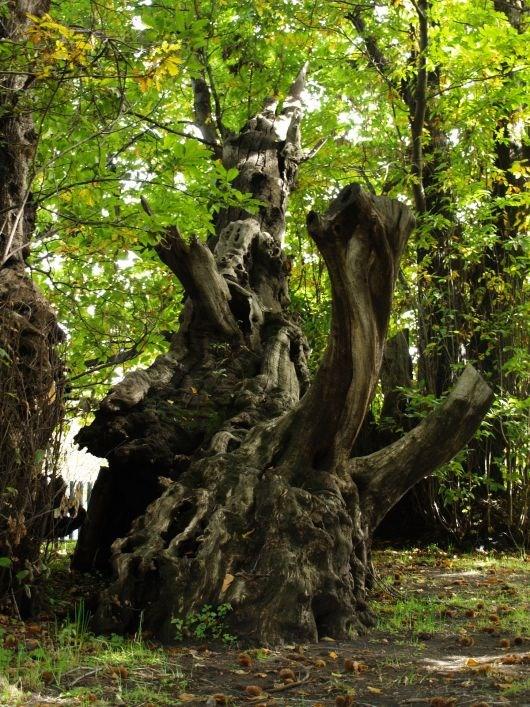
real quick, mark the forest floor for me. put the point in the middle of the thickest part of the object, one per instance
(453, 630)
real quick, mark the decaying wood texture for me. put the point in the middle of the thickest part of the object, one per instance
(230, 475)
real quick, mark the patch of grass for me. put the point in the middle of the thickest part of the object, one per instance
(517, 687)
(144, 694)
(491, 561)
(85, 695)
(413, 615)
(113, 667)
(10, 694)
(128, 653)
(261, 653)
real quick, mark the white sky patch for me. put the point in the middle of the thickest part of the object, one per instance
(310, 257)
(137, 178)
(519, 130)
(138, 23)
(118, 375)
(179, 180)
(381, 12)
(74, 464)
(56, 262)
(454, 136)
(192, 130)
(128, 261)
(312, 96)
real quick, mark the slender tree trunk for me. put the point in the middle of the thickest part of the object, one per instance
(252, 497)
(490, 347)
(30, 374)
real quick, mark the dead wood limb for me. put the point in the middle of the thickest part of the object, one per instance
(385, 476)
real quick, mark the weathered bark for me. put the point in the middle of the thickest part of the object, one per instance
(386, 475)
(30, 373)
(256, 504)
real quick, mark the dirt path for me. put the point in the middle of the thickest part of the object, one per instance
(453, 630)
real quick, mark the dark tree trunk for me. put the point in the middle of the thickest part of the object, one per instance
(251, 495)
(30, 374)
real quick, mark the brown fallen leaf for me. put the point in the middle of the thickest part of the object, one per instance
(286, 674)
(449, 613)
(511, 659)
(354, 666)
(374, 690)
(425, 636)
(227, 581)
(298, 657)
(244, 660)
(187, 697)
(34, 629)
(472, 662)
(319, 663)
(333, 655)
(253, 690)
(466, 641)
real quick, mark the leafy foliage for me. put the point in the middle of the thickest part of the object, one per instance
(120, 158)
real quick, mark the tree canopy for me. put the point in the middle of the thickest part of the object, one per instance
(423, 101)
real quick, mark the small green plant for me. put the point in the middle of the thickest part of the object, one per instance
(517, 687)
(209, 622)
(411, 614)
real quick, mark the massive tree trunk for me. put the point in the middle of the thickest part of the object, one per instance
(230, 474)
(30, 373)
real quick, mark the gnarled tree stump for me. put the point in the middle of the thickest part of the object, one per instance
(230, 477)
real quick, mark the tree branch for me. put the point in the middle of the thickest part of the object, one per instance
(386, 475)
(194, 265)
(416, 99)
(420, 105)
(287, 124)
(216, 102)
(361, 238)
(202, 105)
(167, 128)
